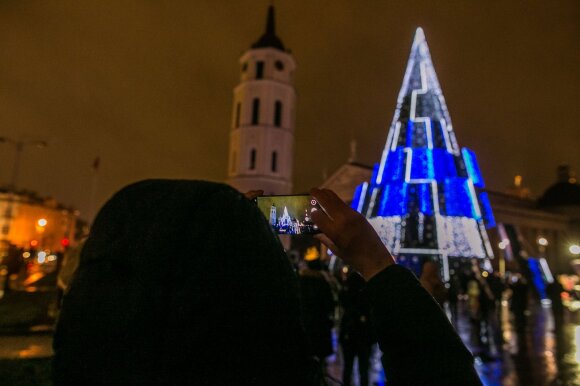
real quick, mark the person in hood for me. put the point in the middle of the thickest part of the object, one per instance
(184, 282)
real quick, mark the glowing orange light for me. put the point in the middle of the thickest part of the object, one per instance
(34, 243)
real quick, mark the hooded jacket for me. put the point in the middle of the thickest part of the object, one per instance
(181, 282)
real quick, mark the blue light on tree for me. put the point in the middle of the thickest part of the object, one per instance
(425, 196)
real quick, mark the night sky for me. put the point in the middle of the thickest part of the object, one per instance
(147, 85)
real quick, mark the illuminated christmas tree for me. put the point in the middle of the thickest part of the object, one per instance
(425, 197)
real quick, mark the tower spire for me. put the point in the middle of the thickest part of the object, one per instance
(271, 22)
(269, 38)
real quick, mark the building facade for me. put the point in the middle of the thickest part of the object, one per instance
(546, 228)
(32, 222)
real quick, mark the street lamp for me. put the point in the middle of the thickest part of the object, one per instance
(542, 241)
(574, 249)
(19, 146)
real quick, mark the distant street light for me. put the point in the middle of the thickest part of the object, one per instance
(19, 146)
(543, 241)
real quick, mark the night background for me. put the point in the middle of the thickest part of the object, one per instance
(117, 92)
(147, 86)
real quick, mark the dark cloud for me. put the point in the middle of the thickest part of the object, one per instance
(147, 85)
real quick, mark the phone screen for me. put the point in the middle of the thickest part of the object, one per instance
(289, 215)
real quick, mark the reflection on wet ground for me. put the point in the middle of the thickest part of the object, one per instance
(545, 353)
(25, 346)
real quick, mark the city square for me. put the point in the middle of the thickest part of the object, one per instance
(461, 215)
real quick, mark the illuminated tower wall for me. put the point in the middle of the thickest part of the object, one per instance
(425, 197)
(262, 128)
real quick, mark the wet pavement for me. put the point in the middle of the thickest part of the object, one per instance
(541, 355)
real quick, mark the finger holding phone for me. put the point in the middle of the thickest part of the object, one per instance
(349, 235)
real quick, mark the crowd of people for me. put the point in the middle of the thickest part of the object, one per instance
(336, 303)
(330, 301)
(473, 300)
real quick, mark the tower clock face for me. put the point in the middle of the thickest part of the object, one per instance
(279, 65)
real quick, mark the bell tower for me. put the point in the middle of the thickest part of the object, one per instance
(262, 127)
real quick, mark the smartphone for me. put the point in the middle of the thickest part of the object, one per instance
(290, 215)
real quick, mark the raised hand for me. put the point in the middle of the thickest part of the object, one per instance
(349, 235)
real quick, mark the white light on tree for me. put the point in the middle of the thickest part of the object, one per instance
(542, 241)
(503, 244)
(574, 249)
(42, 222)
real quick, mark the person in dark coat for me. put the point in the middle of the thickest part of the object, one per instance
(317, 309)
(419, 344)
(181, 282)
(453, 295)
(184, 282)
(554, 291)
(356, 333)
(519, 304)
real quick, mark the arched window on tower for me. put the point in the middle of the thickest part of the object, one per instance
(274, 161)
(238, 110)
(255, 111)
(259, 69)
(253, 159)
(278, 114)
